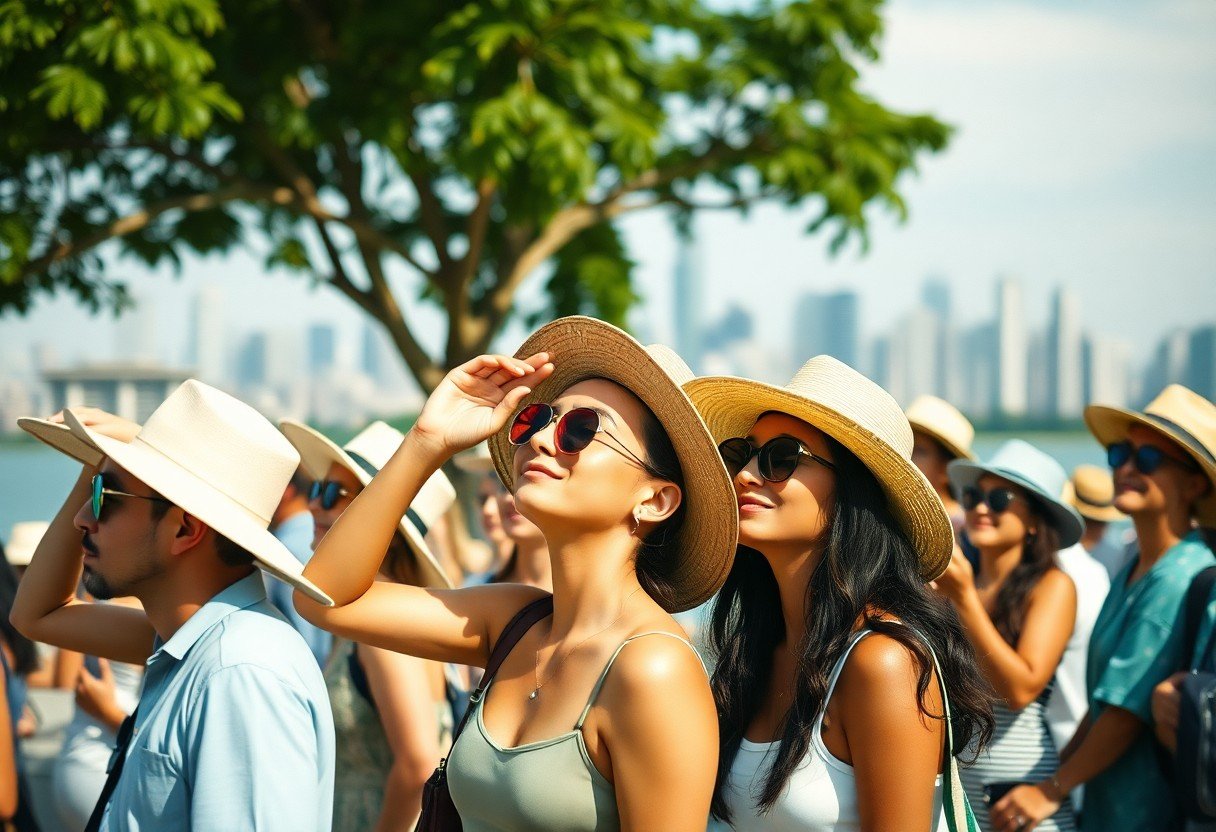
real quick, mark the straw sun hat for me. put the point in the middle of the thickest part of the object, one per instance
(857, 413)
(24, 539)
(1091, 491)
(583, 348)
(942, 421)
(364, 456)
(1179, 414)
(211, 455)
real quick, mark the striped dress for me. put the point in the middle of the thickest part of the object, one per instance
(1021, 750)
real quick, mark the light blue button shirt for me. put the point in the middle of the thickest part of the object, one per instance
(234, 729)
(296, 533)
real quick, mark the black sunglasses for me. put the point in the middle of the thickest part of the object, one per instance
(328, 492)
(576, 429)
(99, 492)
(1146, 458)
(778, 457)
(997, 500)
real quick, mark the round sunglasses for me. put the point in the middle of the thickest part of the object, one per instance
(328, 492)
(997, 500)
(778, 457)
(99, 492)
(576, 429)
(1146, 458)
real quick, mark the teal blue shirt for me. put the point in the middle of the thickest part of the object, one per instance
(1137, 643)
(1204, 658)
(233, 730)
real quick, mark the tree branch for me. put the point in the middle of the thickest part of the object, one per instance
(388, 312)
(430, 209)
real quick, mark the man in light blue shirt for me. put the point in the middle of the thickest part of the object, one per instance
(233, 730)
(293, 525)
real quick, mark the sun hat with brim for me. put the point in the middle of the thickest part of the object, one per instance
(364, 456)
(1025, 465)
(584, 348)
(23, 540)
(944, 422)
(214, 457)
(1179, 414)
(836, 399)
(60, 437)
(1091, 491)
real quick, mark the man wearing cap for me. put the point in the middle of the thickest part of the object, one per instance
(233, 728)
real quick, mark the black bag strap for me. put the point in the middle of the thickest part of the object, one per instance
(1196, 602)
(516, 628)
(125, 731)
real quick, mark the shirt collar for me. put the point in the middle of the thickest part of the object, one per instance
(244, 593)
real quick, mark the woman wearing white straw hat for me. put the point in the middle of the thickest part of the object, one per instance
(601, 717)
(392, 716)
(834, 659)
(1018, 609)
(1164, 464)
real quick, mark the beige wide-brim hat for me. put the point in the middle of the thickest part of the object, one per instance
(944, 422)
(23, 540)
(584, 348)
(211, 455)
(1179, 414)
(364, 456)
(857, 413)
(1091, 491)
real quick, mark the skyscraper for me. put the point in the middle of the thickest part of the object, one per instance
(1065, 382)
(1201, 363)
(1107, 380)
(936, 297)
(206, 352)
(826, 324)
(690, 339)
(135, 331)
(322, 342)
(912, 355)
(1012, 348)
(251, 361)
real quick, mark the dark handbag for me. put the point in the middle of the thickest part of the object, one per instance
(438, 811)
(1195, 757)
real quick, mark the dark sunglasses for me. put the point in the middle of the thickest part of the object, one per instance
(997, 500)
(1146, 458)
(778, 457)
(328, 492)
(100, 491)
(576, 429)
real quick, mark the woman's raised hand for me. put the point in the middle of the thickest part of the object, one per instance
(477, 398)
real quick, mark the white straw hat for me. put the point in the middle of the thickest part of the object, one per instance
(944, 422)
(213, 456)
(836, 399)
(364, 456)
(583, 348)
(24, 540)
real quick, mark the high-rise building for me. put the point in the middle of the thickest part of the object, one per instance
(1167, 366)
(251, 361)
(935, 295)
(978, 370)
(206, 351)
(1038, 383)
(1012, 348)
(322, 349)
(1201, 363)
(1065, 378)
(826, 324)
(911, 360)
(688, 300)
(371, 353)
(1107, 380)
(135, 331)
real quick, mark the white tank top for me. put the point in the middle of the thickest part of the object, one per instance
(821, 794)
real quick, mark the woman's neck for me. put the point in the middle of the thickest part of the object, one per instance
(532, 566)
(996, 563)
(793, 571)
(1157, 533)
(593, 578)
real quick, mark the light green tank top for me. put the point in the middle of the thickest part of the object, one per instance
(545, 785)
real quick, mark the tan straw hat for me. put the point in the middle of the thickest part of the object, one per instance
(857, 413)
(214, 457)
(943, 421)
(1091, 491)
(24, 540)
(583, 348)
(1179, 414)
(364, 456)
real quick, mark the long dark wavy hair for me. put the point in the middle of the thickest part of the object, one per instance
(867, 568)
(1038, 556)
(25, 652)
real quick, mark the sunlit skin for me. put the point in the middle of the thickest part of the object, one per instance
(875, 705)
(489, 492)
(532, 552)
(931, 457)
(324, 518)
(659, 751)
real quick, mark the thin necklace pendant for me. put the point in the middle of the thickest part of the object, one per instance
(535, 692)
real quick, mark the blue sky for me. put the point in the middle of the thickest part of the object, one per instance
(1084, 155)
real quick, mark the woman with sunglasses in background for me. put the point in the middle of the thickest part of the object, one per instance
(601, 716)
(835, 663)
(1164, 471)
(1018, 609)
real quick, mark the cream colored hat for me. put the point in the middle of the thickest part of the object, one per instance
(944, 422)
(857, 413)
(1179, 414)
(214, 457)
(24, 540)
(1091, 491)
(364, 456)
(582, 348)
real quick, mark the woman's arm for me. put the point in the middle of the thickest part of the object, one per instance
(8, 759)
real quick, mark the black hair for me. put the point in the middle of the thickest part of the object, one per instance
(25, 652)
(1038, 556)
(230, 554)
(657, 555)
(868, 570)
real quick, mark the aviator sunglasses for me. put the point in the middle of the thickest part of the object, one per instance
(1146, 458)
(328, 492)
(778, 457)
(99, 492)
(997, 500)
(576, 429)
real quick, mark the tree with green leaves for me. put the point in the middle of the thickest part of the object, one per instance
(471, 144)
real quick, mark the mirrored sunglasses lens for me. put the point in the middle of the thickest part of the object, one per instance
(778, 459)
(329, 498)
(97, 495)
(315, 490)
(1000, 499)
(735, 454)
(576, 429)
(528, 421)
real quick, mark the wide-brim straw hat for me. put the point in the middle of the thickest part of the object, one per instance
(1025, 465)
(584, 348)
(211, 455)
(836, 399)
(23, 540)
(944, 422)
(1091, 491)
(364, 456)
(1179, 414)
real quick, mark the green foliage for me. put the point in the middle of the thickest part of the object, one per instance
(591, 276)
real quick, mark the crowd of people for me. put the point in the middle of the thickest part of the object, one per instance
(695, 603)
